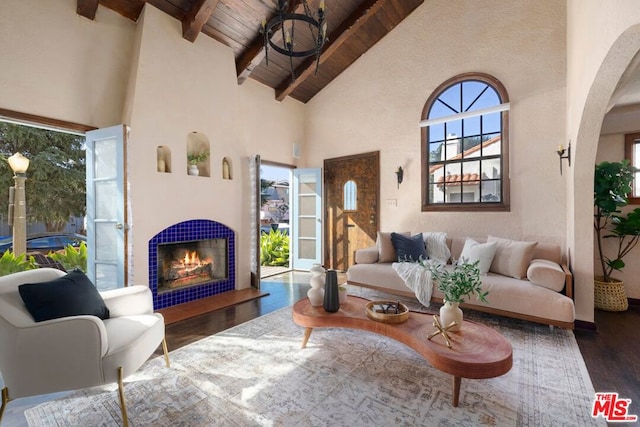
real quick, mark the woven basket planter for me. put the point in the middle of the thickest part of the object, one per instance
(610, 296)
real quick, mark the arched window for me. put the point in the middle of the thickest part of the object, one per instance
(465, 142)
(350, 196)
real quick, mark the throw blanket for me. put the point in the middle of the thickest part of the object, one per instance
(417, 278)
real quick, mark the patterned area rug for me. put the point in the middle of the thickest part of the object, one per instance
(255, 374)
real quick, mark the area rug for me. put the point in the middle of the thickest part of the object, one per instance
(256, 374)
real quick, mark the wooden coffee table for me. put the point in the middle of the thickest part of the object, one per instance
(477, 350)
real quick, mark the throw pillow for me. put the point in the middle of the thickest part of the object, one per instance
(70, 295)
(386, 251)
(474, 251)
(409, 248)
(545, 273)
(437, 248)
(512, 257)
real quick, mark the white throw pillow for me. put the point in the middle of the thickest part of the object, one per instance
(437, 248)
(474, 251)
(512, 257)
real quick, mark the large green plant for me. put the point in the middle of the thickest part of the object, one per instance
(274, 248)
(612, 184)
(10, 263)
(72, 257)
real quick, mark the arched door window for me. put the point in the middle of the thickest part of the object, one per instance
(350, 196)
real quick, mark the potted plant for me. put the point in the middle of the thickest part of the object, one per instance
(612, 184)
(457, 285)
(194, 159)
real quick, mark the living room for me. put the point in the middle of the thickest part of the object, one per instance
(559, 72)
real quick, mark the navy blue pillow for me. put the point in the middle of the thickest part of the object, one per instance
(70, 295)
(409, 248)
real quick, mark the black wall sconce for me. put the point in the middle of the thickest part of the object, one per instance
(561, 153)
(399, 174)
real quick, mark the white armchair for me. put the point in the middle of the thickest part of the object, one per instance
(75, 352)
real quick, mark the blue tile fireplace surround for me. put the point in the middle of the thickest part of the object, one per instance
(189, 232)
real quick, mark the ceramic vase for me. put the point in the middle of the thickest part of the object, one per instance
(331, 296)
(316, 293)
(342, 292)
(450, 312)
(193, 170)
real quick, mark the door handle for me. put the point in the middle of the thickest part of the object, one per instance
(121, 226)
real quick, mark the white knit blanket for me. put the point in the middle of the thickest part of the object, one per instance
(417, 278)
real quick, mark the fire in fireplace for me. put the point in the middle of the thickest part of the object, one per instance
(183, 264)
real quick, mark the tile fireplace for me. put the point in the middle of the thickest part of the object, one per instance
(191, 260)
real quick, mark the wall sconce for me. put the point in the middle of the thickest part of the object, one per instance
(399, 174)
(561, 151)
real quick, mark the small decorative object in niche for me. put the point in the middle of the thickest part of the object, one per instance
(194, 159)
(226, 168)
(163, 159)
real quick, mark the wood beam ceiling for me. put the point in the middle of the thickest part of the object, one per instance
(348, 27)
(255, 53)
(198, 15)
(87, 8)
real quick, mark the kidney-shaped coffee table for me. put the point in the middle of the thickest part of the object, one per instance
(477, 351)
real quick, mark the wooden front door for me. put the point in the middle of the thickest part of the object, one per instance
(351, 206)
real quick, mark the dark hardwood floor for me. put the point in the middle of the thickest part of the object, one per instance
(612, 354)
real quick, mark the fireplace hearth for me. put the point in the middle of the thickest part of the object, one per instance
(191, 260)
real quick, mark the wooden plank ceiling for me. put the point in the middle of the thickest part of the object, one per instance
(353, 27)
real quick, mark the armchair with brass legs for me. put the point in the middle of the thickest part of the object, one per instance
(75, 352)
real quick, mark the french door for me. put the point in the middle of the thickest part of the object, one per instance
(306, 222)
(106, 207)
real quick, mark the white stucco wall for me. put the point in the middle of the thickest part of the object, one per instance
(181, 87)
(376, 105)
(57, 64)
(602, 38)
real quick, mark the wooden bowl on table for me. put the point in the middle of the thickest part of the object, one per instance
(385, 311)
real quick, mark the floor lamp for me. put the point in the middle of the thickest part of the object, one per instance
(19, 164)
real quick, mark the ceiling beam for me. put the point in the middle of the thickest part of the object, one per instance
(87, 8)
(198, 15)
(255, 53)
(336, 39)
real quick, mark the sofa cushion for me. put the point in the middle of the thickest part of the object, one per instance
(386, 251)
(367, 255)
(70, 295)
(437, 249)
(512, 257)
(474, 251)
(409, 248)
(546, 273)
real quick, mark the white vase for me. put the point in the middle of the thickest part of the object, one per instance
(193, 170)
(451, 312)
(316, 296)
(342, 294)
(317, 270)
(316, 293)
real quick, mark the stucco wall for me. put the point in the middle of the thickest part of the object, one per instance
(181, 87)
(376, 105)
(602, 38)
(57, 64)
(144, 74)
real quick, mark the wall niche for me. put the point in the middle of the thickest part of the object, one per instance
(227, 172)
(198, 154)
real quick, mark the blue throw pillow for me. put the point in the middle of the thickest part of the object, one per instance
(409, 248)
(69, 295)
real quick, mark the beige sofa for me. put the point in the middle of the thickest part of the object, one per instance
(508, 296)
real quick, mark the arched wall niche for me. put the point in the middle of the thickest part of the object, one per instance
(198, 153)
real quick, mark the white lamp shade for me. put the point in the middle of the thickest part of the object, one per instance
(18, 163)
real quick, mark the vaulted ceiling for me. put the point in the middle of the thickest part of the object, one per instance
(353, 27)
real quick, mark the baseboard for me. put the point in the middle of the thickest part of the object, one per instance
(583, 325)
